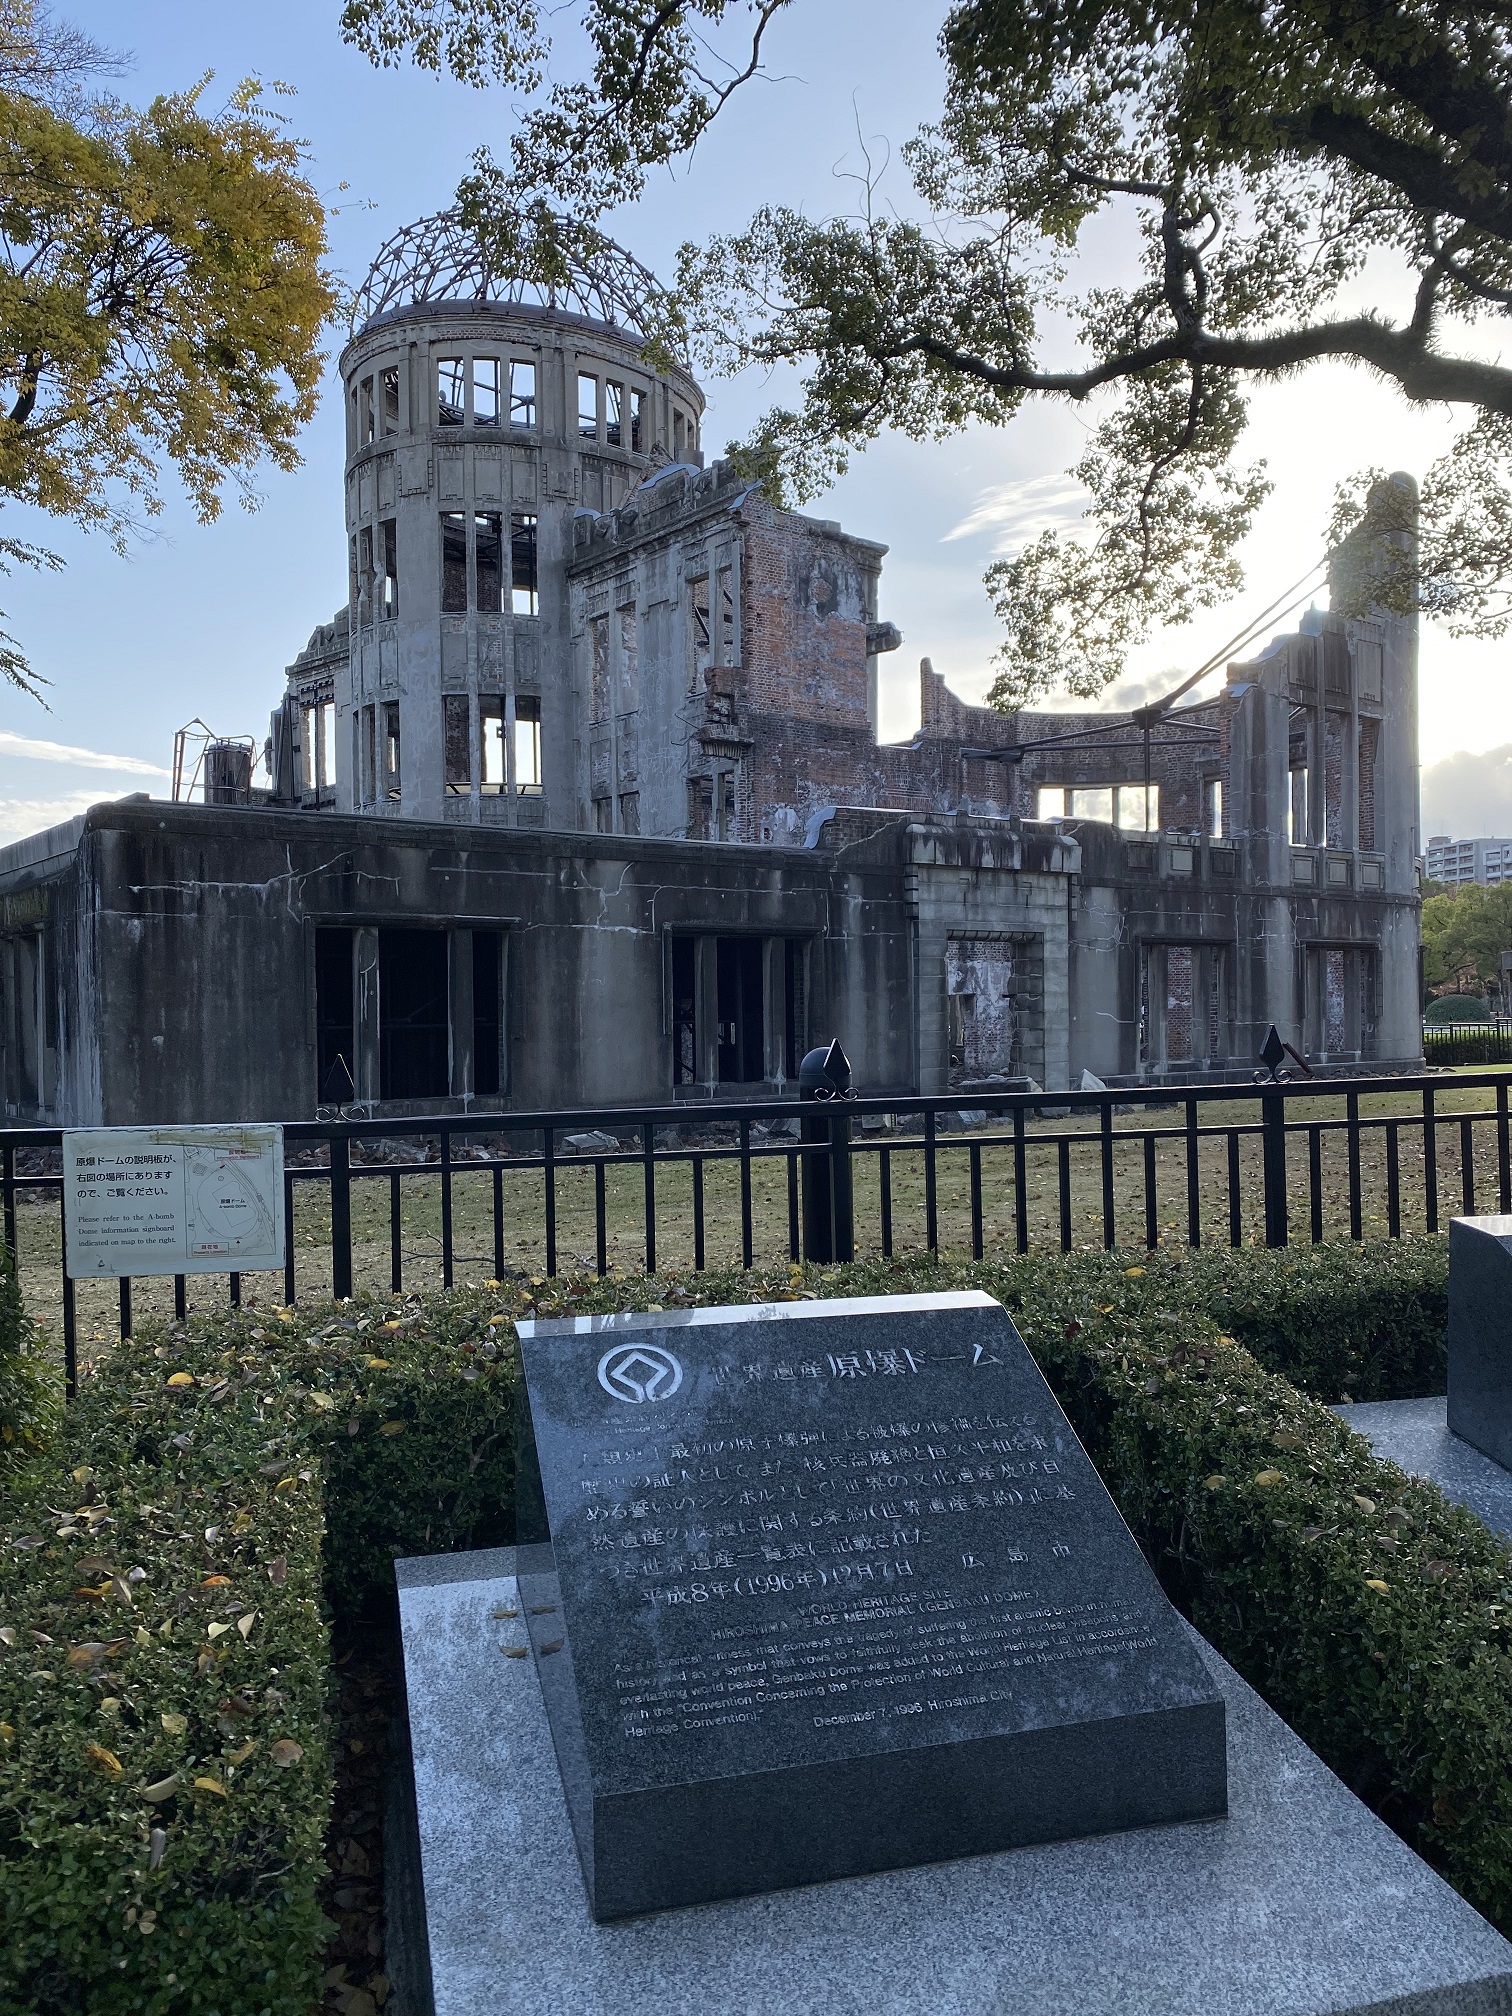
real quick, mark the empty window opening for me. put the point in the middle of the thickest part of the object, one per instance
(638, 421)
(1296, 810)
(629, 805)
(742, 1037)
(335, 1017)
(587, 406)
(414, 1021)
(629, 662)
(488, 1012)
(522, 563)
(700, 807)
(391, 749)
(614, 413)
(357, 756)
(488, 537)
(699, 632)
(1138, 808)
(491, 733)
(486, 389)
(1051, 803)
(369, 757)
(598, 655)
(684, 1011)
(1094, 802)
(365, 425)
(1213, 794)
(603, 815)
(1370, 732)
(388, 545)
(522, 395)
(795, 1005)
(307, 747)
(726, 589)
(365, 582)
(527, 743)
(455, 718)
(679, 436)
(388, 398)
(451, 391)
(1179, 1003)
(454, 563)
(325, 744)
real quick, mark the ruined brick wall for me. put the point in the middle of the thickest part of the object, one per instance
(810, 597)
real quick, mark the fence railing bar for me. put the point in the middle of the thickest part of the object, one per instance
(124, 1287)
(446, 1208)
(698, 1213)
(396, 1235)
(1430, 1161)
(1503, 1153)
(1235, 1206)
(1063, 1172)
(1393, 1181)
(290, 1285)
(497, 1174)
(648, 1157)
(548, 1169)
(341, 1218)
(795, 1240)
(976, 1201)
(1105, 1129)
(1193, 1177)
(1352, 1123)
(1020, 1184)
(1315, 1182)
(8, 1192)
(1152, 1209)
(181, 1289)
(600, 1219)
(1467, 1167)
(747, 1227)
(884, 1200)
(931, 1204)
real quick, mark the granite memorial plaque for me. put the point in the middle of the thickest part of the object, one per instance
(821, 1588)
(1480, 1334)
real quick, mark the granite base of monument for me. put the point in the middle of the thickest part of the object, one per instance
(1416, 1436)
(1299, 1903)
(832, 1587)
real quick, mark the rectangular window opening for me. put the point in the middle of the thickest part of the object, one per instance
(598, 669)
(587, 406)
(325, 744)
(454, 563)
(527, 744)
(488, 537)
(414, 1020)
(794, 1039)
(388, 539)
(629, 662)
(1051, 803)
(388, 398)
(699, 630)
(369, 758)
(456, 737)
(629, 812)
(335, 1017)
(727, 651)
(638, 421)
(679, 437)
(524, 600)
(391, 749)
(1092, 802)
(1215, 808)
(365, 582)
(1138, 808)
(366, 427)
(614, 412)
(488, 1012)
(307, 749)
(522, 394)
(491, 732)
(486, 401)
(451, 391)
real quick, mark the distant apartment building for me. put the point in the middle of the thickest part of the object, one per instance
(1457, 861)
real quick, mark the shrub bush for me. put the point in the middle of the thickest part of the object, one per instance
(269, 1466)
(29, 1398)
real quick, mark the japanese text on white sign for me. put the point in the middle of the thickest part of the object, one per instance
(172, 1200)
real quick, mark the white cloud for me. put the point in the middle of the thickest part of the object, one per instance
(1469, 794)
(86, 759)
(1017, 513)
(21, 817)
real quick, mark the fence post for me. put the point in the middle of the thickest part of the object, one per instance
(828, 1206)
(1273, 1119)
(341, 1219)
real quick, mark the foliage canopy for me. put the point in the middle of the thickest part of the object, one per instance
(1256, 155)
(162, 294)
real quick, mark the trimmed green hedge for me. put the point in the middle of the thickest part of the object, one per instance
(296, 1454)
(29, 1399)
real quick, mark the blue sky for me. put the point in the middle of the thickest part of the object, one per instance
(199, 621)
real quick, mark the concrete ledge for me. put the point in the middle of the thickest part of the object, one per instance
(1415, 1435)
(1300, 1903)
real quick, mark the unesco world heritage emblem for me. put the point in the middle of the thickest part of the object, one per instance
(637, 1372)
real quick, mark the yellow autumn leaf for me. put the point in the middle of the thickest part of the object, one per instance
(1133, 1272)
(88, 1654)
(1270, 1477)
(284, 1315)
(1365, 1504)
(176, 1725)
(214, 1630)
(244, 1624)
(1216, 1482)
(285, 1752)
(104, 1761)
(215, 1582)
(376, 1364)
(391, 1428)
(240, 1756)
(7, 1733)
(287, 1484)
(180, 1378)
(1375, 1582)
(164, 1789)
(322, 1402)
(394, 1323)
(210, 1785)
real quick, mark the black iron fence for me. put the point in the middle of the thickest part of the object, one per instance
(1010, 1171)
(1460, 1043)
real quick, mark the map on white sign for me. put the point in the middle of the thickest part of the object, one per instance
(172, 1200)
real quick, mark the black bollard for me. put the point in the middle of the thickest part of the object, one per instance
(824, 1084)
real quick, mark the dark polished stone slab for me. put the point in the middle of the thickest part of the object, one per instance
(1480, 1334)
(831, 1588)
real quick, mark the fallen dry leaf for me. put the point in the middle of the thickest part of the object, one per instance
(1269, 1477)
(216, 1582)
(286, 1752)
(104, 1761)
(244, 1624)
(391, 1428)
(210, 1785)
(163, 1789)
(214, 1630)
(176, 1725)
(278, 1571)
(180, 1378)
(1375, 1582)
(241, 1755)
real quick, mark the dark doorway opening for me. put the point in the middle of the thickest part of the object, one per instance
(335, 1017)
(414, 1021)
(795, 1006)
(684, 1011)
(488, 1015)
(742, 1024)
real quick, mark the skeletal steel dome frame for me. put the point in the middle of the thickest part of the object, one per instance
(442, 258)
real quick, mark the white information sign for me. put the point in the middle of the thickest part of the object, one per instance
(173, 1200)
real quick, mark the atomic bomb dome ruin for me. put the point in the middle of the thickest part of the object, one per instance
(579, 798)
